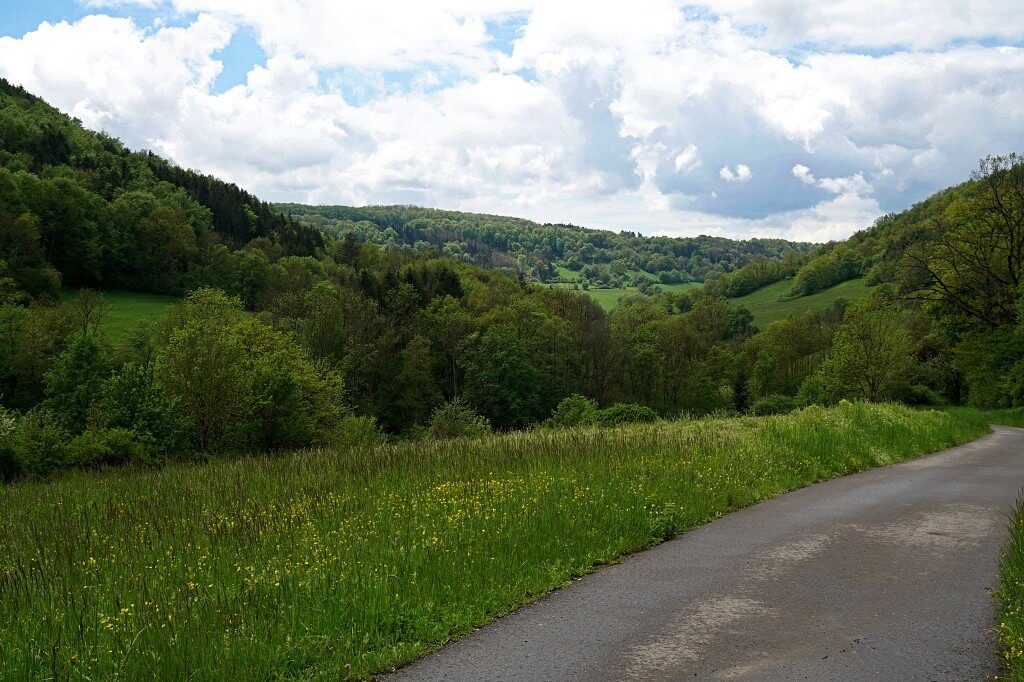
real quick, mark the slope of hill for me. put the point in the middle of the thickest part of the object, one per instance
(78, 208)
(773, 302)
(551, 253)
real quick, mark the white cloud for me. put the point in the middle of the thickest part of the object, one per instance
(742, 173)
(688, 159)
(601, 113)
(803, 174)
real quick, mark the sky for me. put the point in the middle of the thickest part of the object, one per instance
(802, 119)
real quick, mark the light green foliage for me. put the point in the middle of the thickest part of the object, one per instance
(576, 410)
(326, 567)
(456, 419)
(355, 431)
(242, 384)
(839, 264)
(100, 446)
(871, 355)
(773, 303)
(773, 404)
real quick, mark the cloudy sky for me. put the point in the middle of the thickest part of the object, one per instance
(797, 118)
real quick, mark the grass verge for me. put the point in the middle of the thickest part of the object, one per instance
(1011, 599)
(325, 565)
(1011, 575)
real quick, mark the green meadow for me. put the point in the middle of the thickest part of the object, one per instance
(127, 308)
(333, 564)
(767, 305)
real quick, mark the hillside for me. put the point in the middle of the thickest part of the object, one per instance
(79, 209)
(773, 302)
(550, 253)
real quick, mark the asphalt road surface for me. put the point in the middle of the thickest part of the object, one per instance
(884, 575)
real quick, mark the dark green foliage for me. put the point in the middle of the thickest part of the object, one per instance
(501, 381)
(626, 413)
(78, 208)
(74, 382)
(534, 251)
(132, 400)
(773, 404)
(36, 446)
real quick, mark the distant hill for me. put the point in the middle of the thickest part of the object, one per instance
(79, 209)
(548, 253)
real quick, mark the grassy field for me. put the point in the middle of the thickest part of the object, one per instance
(609, 298)
(767, 308)
(326, 565)
(126, 308)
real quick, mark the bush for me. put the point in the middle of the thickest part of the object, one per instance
(456, 419)
(74, 382)
(38, 445)
(131, 400)
(576, 410)
(626, 413)
(919, 395)
(356, 431)
(814, 391)
(773, 404)
(99, 447)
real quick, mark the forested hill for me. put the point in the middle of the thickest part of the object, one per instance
(78, 208)
(881, 253)
(544, 252)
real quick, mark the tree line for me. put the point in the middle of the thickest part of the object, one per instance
(536, 252)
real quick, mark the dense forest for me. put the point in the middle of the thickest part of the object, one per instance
(543, 253)
(287, 338)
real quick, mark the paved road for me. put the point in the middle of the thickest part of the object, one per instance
(884, 575)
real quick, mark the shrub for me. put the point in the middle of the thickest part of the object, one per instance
(38, 446)
(814, 391)
(456, 419)
(920, 395)
(626, 413)
(74, 382)
(576, 410)
(98, 447)
(773, 404)
(131, 400)
(354, 431)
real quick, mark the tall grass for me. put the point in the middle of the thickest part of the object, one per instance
(331, 564)
(1011, 574)
(1008, 417)
(1011, 599)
